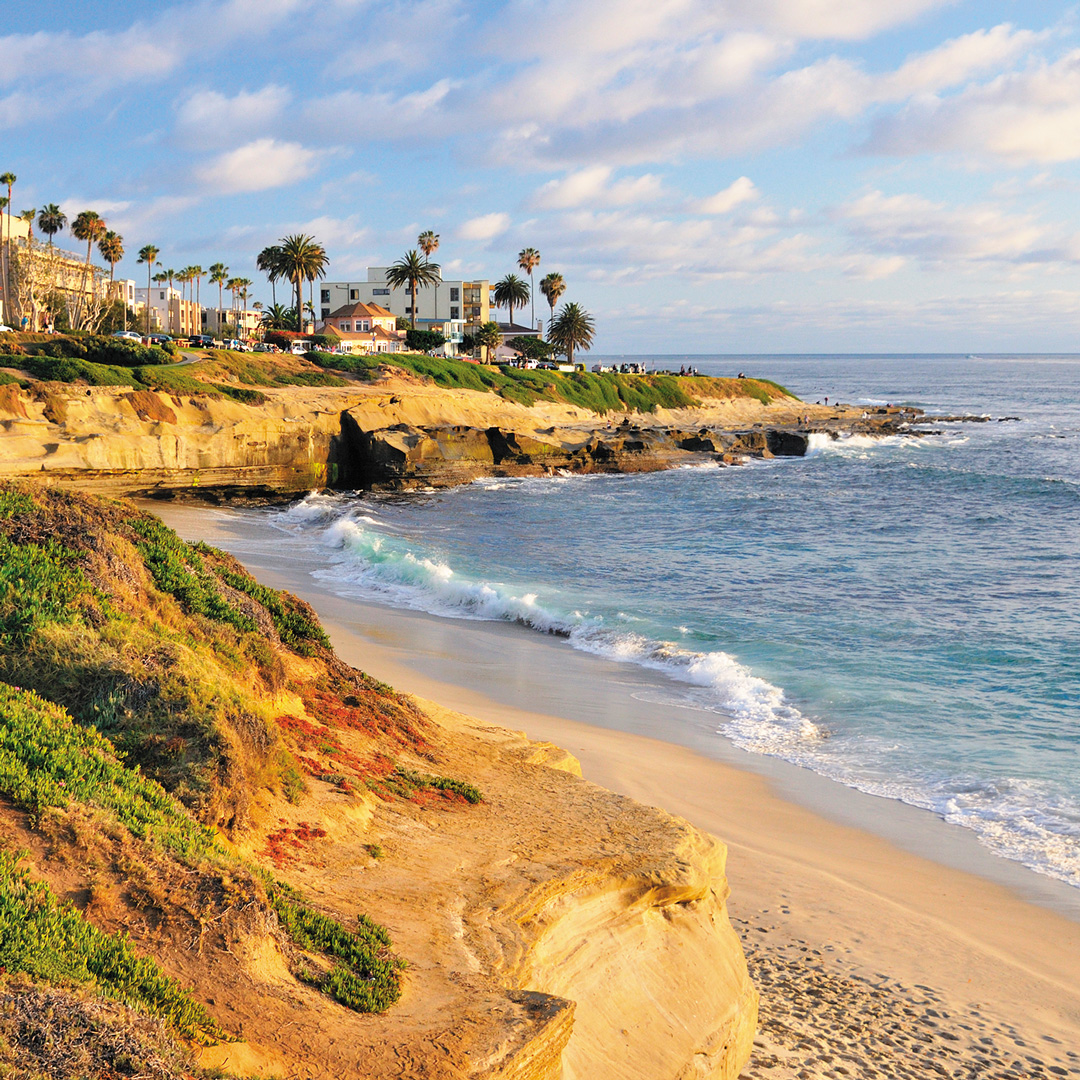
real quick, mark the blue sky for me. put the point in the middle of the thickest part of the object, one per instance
(708, 175)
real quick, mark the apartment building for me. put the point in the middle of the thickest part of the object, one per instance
(170, 313)
(246, 320)
(451, 307)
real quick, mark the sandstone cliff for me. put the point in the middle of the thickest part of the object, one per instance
(393, 434)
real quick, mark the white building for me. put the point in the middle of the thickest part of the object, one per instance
(170, 313)
(453, 308)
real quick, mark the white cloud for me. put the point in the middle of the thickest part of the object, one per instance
(208, 118)
(844, 19)
(592, 185)
(258, 166)
(913, 226)
(59, 71)
(486, 227)
(742, 190)
(620, 245)
(1026, 116)
(954, 62)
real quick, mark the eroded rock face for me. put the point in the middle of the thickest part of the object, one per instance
(118, 441)
(404, 456)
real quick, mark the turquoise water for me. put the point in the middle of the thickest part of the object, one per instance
(900, 615)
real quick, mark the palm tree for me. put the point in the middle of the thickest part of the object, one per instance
(529, 260)
(197, 276)
(169, 275)
(186, 277)
(571, 329)
(8, 179)
(302, 259)
(219, 274)
(160, 278)
(278, 317)
(111, 247)
(552, 286)
(28, 217)
(89, 226)
(242, 285)
(148, 255)
(269, 262)
(488, 337)
(410, 270)
(428, 243)
(51, 220)
(510, 293)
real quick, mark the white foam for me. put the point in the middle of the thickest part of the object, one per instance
(1017, 819)
(823, 442)
(375, 565)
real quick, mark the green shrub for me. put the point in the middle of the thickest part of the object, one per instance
(295, 627)
(14, 502)
(52, 942)
(178, 570)
(356, 365)
(69, 370)
(424, 340)
(98, 349)
(46, 759)
(172, 381)
(39, 583)
(241, 394)
(366, 978)
(407, 781)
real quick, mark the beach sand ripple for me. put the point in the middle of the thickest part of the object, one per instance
(820, 1019)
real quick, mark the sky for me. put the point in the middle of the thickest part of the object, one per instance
(709, 176)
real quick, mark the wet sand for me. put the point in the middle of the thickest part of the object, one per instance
(873, 960)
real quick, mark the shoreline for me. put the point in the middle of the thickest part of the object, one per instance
(970, 949)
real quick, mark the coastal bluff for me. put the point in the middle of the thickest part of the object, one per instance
(393, 434)
(302, 871)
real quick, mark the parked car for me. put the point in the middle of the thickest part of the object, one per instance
(203, 341)
(263, 347)
(128, 335)
(158, 339)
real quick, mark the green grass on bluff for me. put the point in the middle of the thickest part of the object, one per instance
(609, 392)
(245, 376)
(140, 681)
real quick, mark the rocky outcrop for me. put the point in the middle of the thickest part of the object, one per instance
(404, 456)
(120, 441)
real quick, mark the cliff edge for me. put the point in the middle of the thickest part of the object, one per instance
(223, 848)
(394, 432)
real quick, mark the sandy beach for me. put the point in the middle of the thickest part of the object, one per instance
(872, 959)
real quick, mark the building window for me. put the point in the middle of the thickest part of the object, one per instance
(454, 293)
(161, 295)
(346, 326)
(325, 314)
(380, 292)
(362, 326)
(455, 313)
(324, 296)
(354, 294)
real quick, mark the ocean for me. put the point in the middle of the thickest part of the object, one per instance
(901, 616)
